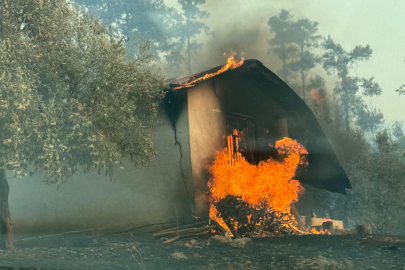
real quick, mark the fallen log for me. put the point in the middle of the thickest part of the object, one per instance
(232, 229)
(178, 237)
(219, 227)
(186, 226)
(183, 231)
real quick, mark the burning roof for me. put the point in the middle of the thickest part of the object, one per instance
(231, 64)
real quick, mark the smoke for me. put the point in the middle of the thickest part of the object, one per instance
(233, 29)
(252, 41)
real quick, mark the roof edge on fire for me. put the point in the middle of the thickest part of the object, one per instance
(174, 82)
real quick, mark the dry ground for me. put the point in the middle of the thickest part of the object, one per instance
(127, 251)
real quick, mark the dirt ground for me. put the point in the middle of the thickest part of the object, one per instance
(127, 251)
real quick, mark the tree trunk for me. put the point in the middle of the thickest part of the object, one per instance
(346, 108)
(284, 75)
(5, 217)
(303, 86)
(345, 101)
(188, 48)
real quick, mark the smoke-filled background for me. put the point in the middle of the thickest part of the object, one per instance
(344, 58)
(243, 27)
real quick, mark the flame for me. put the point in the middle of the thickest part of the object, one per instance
(268, 184)
(316, 96)
(231, 64)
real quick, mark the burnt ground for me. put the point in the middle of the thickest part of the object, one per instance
(125, 251)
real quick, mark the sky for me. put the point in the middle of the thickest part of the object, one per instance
(242, 26)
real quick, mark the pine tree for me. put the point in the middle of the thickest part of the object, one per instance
(187, 30)
(282, 44)
(337, 60)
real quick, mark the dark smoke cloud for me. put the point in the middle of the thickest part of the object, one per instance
(252, 41)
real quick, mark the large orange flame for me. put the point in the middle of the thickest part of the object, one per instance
(269, 184)
(231, 64)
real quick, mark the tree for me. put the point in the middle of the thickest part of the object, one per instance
(319, 96)
(282, 44)
(397, 130)
(369, 119)
(306, 38)
(318, 90)
(336, 59)
(69, 98)
(172, 33)
(294, 43)
(186, 31)
(137, 20)
(401, 90)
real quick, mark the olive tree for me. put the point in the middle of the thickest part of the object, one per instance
(70, 100)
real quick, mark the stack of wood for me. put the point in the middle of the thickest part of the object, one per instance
(192, 230)
(241, 219)
(245, 220)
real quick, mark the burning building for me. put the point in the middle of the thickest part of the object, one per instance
(242, 107)
(246, 109)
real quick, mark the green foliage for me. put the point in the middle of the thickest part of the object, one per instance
(377, 180)
(294, 43)
(306, 38)
(401, 90)
(173, 33)
(386, 168)
(137, 20)
(69, 97)
(401, 145)
(397, 130)
(282, 44)
(188, 28)
(375, 168)
(370, 88)
(369, 119)
(337, 60)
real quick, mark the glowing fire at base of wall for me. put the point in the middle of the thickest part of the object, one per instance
(268, 185)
